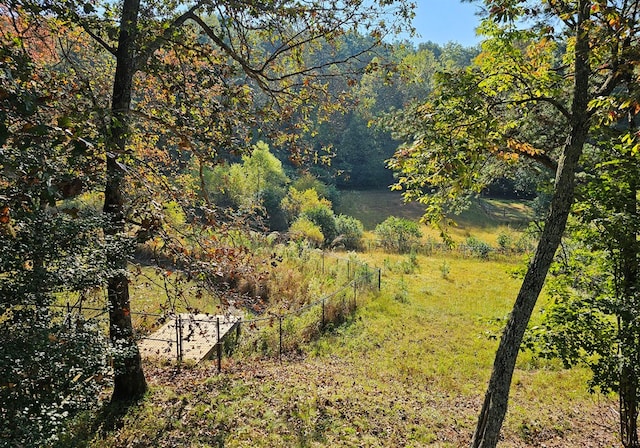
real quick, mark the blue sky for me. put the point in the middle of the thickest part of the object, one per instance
(443, 21)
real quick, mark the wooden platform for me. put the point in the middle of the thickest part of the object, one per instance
(199, 337)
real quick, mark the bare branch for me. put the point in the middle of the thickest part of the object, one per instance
(97, 38)
(166, 35)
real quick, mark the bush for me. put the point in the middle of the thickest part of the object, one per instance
(52, 367)
(297, 202)
(258, 181)
(478, 248)
(350, 231)
(398, 234)
(303, 229)
(271, 199)
(309, 182)
(505, 241)
(323, 217)
(51, 373)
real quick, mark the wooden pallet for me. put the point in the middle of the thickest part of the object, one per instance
(199, 337)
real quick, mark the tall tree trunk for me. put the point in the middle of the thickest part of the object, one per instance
(628, 391)
(129, 382)
(628, 405)
(496, 399)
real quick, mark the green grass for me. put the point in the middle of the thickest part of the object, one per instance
(485, 219)
(408, 369)
(374, 206)
(400, 373)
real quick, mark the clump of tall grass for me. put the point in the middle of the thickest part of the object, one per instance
(288, 333)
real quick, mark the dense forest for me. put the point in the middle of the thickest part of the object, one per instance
(210, 144)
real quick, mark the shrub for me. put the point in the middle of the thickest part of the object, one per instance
(504, 240)
(445, 269)
(478, 248)
(410, 264)
(350, 231)
(323, 217)
(52, 367)
(259, 181)
(304, 229)
(297, 202)
(309, 182)
(271, 199)
(398, 234)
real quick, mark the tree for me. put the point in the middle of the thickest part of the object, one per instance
(256, 184)
(51, 366)
(397, 76)
(265, 43)
(572, 54)
(593, 318)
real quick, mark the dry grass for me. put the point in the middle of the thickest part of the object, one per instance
(408, 369)
(408, 372)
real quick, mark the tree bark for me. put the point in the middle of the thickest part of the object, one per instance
(628, 390)
(496, 399)
(628, 405)
(129, 381)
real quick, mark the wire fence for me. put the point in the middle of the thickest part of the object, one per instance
(190, 336)
(472, 248)
(198, 336)
(193, 336)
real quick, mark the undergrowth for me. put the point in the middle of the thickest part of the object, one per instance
(391, 373)
(406, 366)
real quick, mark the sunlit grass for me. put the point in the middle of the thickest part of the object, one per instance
(373, 206)
(408, 368)
(404, 371)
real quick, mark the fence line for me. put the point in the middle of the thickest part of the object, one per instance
(355, 280)
(479, 250)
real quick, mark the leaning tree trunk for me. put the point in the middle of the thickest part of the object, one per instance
(129, 381)
(496, 399)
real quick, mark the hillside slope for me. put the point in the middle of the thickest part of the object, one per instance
(408, 370)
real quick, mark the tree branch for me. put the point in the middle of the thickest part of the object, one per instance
(97, 38)
(249, 71)
(157, 43)
(546, 99)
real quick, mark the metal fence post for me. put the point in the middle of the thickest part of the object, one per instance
(218, 344)
(322, 314)
(178, 338)
(355, 294)
(280, 343)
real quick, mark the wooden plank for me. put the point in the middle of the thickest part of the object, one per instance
(199, 337)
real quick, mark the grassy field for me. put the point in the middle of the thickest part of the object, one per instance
(373, 207)
(485, 219)
(408, 369)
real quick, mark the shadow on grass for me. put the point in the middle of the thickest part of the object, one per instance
(111, 416)
(90, 425)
